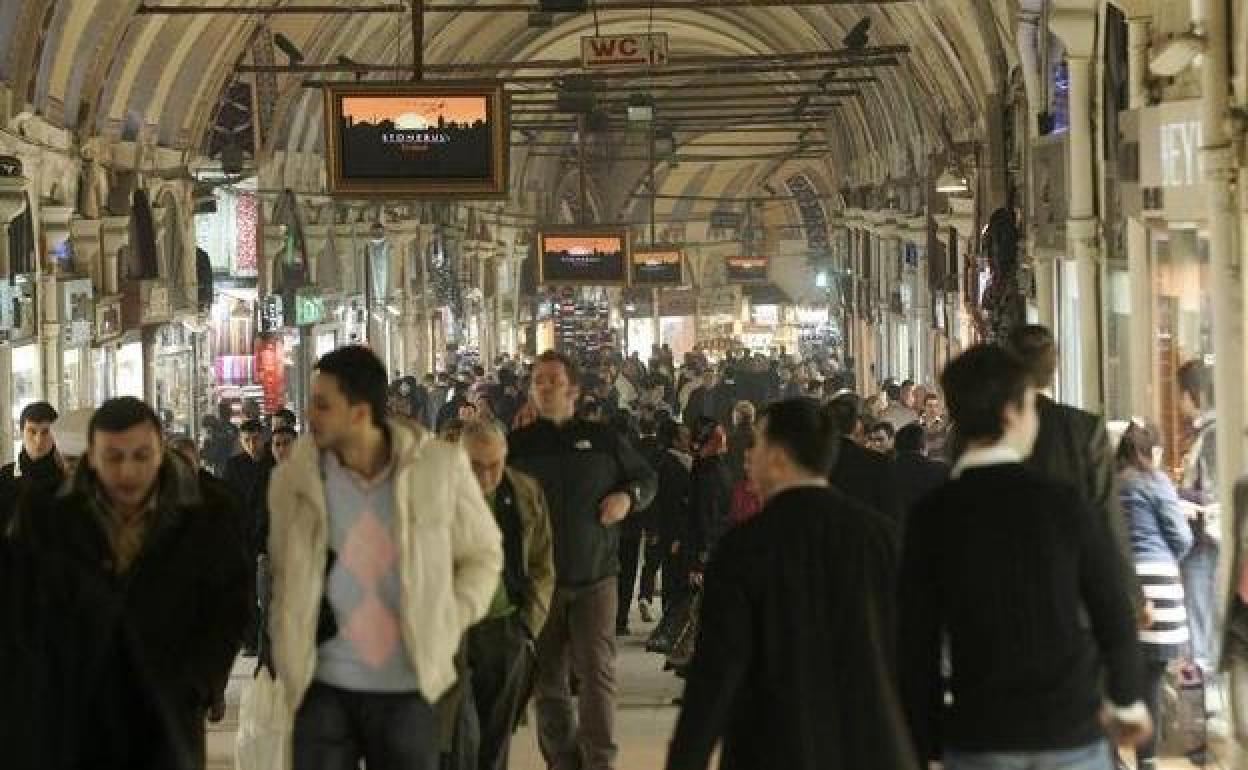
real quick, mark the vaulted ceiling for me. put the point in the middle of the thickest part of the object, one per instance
(99, 68)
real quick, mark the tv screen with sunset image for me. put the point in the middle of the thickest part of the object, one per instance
(656, 266)
(583, 257)
(423, 139)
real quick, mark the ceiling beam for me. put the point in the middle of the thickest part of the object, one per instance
(146, 9)
(688, 158)
(644, 5)
(692, 98)
(867, 57)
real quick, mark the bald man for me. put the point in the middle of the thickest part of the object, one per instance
(499, 649)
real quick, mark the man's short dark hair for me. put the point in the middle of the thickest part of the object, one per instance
(251, 426)
(978, 385)
(570, 366)
(361, 376)
(1035, 347)
(285, 414)
(885, 426)
(118, 415)
(804, 430)
(842, 413)
(39, 411)
(910, 438)
(894, 392)
(1195, 379)
(286, 430)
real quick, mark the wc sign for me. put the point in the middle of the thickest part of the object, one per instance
(624, 51)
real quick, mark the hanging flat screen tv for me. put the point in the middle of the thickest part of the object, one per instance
(745, 270)
(583, 256)
(658, 266)
(439, 139)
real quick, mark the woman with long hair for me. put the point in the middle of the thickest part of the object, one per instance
(1160, 538)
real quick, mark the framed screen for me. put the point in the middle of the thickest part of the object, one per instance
(583, 257)
(657, 266)
(443, 139)
(745, 270)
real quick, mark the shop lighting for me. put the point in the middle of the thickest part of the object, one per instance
(1176, 55)
(821, 279)
(640, 108)
(949, 184)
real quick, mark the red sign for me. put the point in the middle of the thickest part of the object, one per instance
(271, 371)
(624, 51)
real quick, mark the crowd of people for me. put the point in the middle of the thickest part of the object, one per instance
(968, 573)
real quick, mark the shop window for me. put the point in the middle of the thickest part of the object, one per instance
(22, 242)
(142, 258)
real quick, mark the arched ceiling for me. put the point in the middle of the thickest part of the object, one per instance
(99, 69)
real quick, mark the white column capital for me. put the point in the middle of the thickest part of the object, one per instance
(1075, 24)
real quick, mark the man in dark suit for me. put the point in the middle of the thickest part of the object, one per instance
(778, 685)
(1072, 445)
(861, 474)
(916, 475)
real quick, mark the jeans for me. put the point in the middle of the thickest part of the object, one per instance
(1154, 676)
(1199, 569)
(630, 555)
(500, 655)
(578, 637)
(1093, 757)
(335, 729)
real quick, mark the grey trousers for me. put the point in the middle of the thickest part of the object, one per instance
(579, 638)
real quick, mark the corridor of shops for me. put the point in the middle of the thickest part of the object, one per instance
(450, 383)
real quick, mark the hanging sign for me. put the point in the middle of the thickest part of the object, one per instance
(271, 370)
(639, 51)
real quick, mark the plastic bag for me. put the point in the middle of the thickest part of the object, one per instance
(264, 726)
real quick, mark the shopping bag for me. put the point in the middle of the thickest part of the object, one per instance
(264, 726)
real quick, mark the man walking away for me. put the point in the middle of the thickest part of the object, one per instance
(794, 661)
(916, 474)
(1009, 570)
(383, 553)
(499, 649)
(860, 473)
(592, 479)
(39, 470)
(154, 597)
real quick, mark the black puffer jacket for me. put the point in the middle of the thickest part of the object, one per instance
(129, 663)
(36, 479)
(578, 464)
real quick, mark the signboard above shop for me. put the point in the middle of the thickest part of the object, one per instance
(639, 51)
(745, 269)
(1171, 174)
(583, 257)
(656, 266)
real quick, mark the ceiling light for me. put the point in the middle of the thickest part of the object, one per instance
(1176, 55)
(640, 108)
(951, 185)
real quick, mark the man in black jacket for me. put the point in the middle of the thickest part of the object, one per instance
(151, 594)
(1009, 570)
(861, 474)
(593, 479)
(1072, 445)
(916, 475)
(780, 684)
(39, 469)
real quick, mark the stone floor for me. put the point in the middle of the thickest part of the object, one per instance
(644, 722)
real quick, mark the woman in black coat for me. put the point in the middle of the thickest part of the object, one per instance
(710, 492)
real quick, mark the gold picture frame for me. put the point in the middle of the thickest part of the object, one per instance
(586, 234)
(376, 131)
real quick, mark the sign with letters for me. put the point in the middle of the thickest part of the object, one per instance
(640, 51)
(1170, 162)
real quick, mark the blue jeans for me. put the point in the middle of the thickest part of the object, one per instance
(1200, 569)
(335, 729)
(1094, 757)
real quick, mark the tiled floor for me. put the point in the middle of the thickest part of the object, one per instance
(644, 722)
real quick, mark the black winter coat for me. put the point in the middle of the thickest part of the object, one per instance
(38, 480)
(127, 665)
(578, 464)
(916, 478)
(794, 666)
(866, 476)
(710, 502)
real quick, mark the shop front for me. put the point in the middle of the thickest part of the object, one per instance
(77, 322)
(106, 336)
(678, 327)
(25, 369)
(171, 366)
(308, 337)
(1179, 316)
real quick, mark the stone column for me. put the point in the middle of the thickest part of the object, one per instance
(1141, 334)
(1075, 23)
